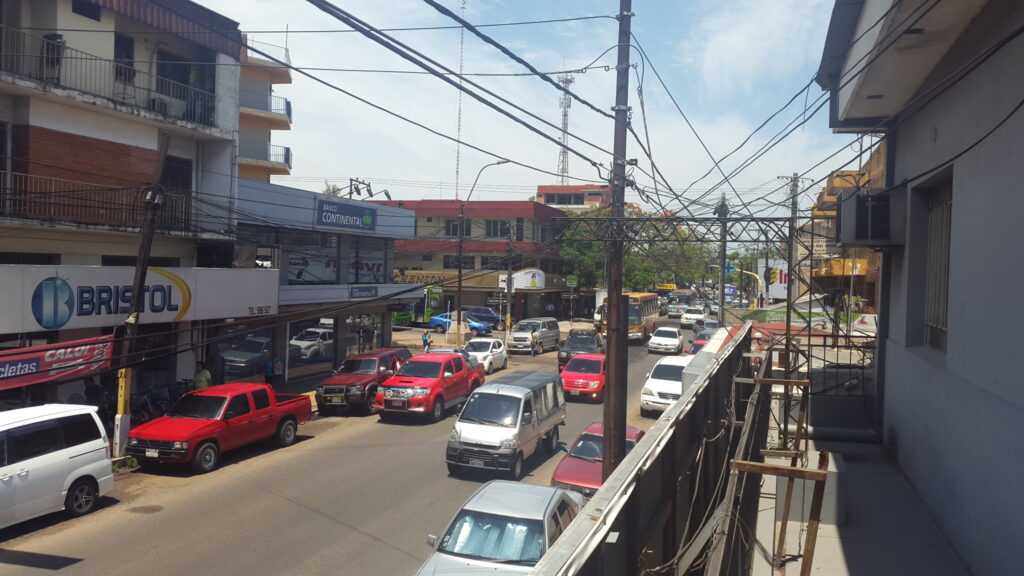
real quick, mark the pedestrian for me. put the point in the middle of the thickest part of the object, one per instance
(550, 308)
(278, 372)
(202, 378)
(93, 393)
(427, 341)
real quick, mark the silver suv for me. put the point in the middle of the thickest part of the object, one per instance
(535, 335)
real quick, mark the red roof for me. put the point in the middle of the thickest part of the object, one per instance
(477, 208)
(419, 246)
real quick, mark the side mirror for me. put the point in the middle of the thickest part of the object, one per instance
(528, 418)
(431, 540)
(389, 372)
(560, 368)
(448, 374)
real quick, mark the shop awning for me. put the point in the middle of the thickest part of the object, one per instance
(65, 360)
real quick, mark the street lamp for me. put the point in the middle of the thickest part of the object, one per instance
(462, 225)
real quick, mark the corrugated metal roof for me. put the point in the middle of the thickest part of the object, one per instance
(184, 18)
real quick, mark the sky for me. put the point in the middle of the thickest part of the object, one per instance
(729, 64)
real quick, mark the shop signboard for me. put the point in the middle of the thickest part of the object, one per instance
(41, 298)
(362, 291)
(65, 360)
(335, 216)
(776, 278)
(525, 279)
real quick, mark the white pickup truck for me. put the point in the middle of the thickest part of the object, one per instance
(691, 316)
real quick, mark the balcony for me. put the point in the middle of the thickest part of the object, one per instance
(32, 197)
(49, 61)
(264, 157)
(265, 110)
(279, 74)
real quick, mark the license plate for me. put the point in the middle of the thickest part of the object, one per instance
(152, 454)
(574, 392)
(337, 400)
(476, 462)
(394, 404)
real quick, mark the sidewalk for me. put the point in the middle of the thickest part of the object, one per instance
(887, 529)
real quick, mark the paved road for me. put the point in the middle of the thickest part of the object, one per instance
(353, 496)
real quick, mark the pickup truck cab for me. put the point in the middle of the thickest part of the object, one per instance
(354, 384)
(428, 384)
(206, 423)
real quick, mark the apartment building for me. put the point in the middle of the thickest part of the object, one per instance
(262, 111)
(575, 198)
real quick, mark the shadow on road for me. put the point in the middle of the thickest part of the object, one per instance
(231, 458)
(46, 561)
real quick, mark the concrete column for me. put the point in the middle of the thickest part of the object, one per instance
(385, 329)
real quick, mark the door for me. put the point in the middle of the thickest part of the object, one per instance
(238, 419)
(497, 354)
(263, 423)
(460, 383)
(39, 467)
(528, 427)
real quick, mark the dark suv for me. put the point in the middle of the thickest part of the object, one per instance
(580, 342)
(354, 383)
(486, 314)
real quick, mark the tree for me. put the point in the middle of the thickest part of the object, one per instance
(332, 189)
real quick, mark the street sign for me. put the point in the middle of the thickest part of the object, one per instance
(568, 296)
(729, 268)
(571, 281)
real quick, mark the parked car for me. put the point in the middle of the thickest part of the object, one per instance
(490, 352)
(55, 457)
(664, 385)
(354, 383)
(469, 358)
(696, 346)
(675, 309)
(428, 384)
(666, 340)
(505, 527)
(314, 343)
(580, 469)
(204, 424)
(584, 376)
(486, 314)
(442, 323)
(580, 343)
(534, 335)
(691, 315)
(247, 357)
(505, 421)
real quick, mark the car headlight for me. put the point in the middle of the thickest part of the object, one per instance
(180, 445)
(512, 442)
(320, 390)
(563, 354)
(419, 392)
(455, 437)
(355, 389)
(133, 441)
(646, 392)
(593, 383)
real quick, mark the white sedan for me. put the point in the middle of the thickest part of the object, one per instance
(490, 352)
(666, 340)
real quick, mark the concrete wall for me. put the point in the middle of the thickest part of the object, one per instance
(76, 250)
(953, 419)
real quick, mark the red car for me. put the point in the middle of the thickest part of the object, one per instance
(580, 470)
(583, 376)
(429, 384)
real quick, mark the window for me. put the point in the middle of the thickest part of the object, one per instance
(527, 408)
(493, 262)
(451, 261)
(79, 429)
(33, 440)
(565, 514)
(497, 228)
(157, 261)
(86, 9)
(936, 300)
(428, 257)
(451, 227)
(29, 258)
(177, 174)
(124, 58)
(260, 399)
(239, 406)
(458, 364)
(554, 529)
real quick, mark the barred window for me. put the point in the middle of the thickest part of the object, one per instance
(498, 228)
(936, 300)
(452, 262)
(451, 227)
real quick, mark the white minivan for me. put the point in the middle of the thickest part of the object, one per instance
(53, 457)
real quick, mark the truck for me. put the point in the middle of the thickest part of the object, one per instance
(248, 357)
(354, 384)
(428, 384)
(204, 424)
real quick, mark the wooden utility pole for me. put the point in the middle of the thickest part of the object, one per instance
(615, 396)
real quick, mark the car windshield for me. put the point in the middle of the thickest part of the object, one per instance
(358, 366)
(664, 333)
(591, 447)
(491, 409)
(668, 372)
(503, 539)
(581, 342)
(250, 346)
(483, 310)
(196, 406)
(695, 311)
(696, 347)
(583, 366)
(421, 369)
(307, 336)
(477, 346)
(526, 327)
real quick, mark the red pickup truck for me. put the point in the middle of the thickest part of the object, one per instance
(428, 384)
(205, 423)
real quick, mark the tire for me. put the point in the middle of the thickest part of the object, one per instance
(439, 329)
(286, 432)
(81, 498)
(488, 368)
(515, 473)
(437, 414)
(474, 332)
(366, 408)
(454, 469)
(552, 441)
(504, 365)
(206, 458)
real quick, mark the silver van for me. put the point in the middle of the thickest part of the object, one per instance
(535, 335)
(505, 420)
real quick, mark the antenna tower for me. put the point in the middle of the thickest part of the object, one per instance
(565, 80)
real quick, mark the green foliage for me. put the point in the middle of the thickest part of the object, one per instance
(332, 189)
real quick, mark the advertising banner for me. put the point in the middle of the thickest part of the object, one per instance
(313, 265)
(525, 279)
(332, 215)
(64, 360)
(40, 298)
(776, 278)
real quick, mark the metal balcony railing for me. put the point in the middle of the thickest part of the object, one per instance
(279, 52)
(265, 102)
(56, 200)
(48, 59)
(265, 152)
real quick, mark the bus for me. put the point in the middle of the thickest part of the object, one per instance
(664, 289)
(642, 315)
(431, 305)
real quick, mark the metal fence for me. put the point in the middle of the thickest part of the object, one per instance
(265, 101)
(273, 50)
(265, 152)
(48, 59)
(655, 514)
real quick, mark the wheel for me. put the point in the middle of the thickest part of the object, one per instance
(206, 458)
(81, 498)
(552, 440)
(488, 369)
(516, 471)
(474, 332)
(367, 406)
(504, 364)
(437, 414)
(439, 329)
(454, 469)
(500, 325)
(286, 432)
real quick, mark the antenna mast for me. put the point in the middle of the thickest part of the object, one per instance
(565, 80)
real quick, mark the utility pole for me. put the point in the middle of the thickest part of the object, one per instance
(615, 398)
(153, 197)
(722, 211)
(509, 251)
(788, 364)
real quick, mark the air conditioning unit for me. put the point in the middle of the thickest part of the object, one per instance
(872, 217)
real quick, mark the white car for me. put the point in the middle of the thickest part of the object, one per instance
(664, 385)
(490, 352)
(691, 316)
(314, 343)
(666, 340)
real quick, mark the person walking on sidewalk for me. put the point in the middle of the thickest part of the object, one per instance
(427, 341)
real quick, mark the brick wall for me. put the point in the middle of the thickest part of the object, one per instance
(44, 152)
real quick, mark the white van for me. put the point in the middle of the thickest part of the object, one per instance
(53, 457)
(505, 421)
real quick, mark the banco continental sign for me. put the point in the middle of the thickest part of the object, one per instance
(344, 216)
(55, 301)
